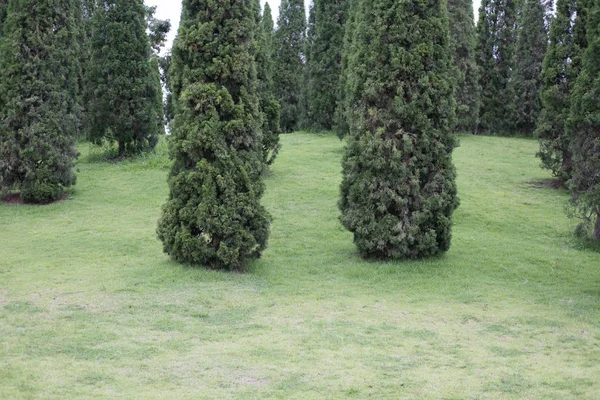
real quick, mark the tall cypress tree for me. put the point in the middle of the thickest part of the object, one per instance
(120, 86)
(268, 104)
(462, 45)
(288, 59)
(584, 127)
(38, 98)
(213, 216)
(398, 192)
(324, 62)
(560, 70)
(495, 58)
(526, 80)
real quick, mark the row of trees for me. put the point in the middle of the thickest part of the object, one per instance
(73, 68)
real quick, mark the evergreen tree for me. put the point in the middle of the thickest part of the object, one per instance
(495, 57)
(530, 49)
(289, 61)
(324, 62)
(584, 127)
(38, 98)
(3, 7)
(159, 110)
(213, 216)
(560, 69)
(268, 105)
(120, 87)
(462, 45)
(398, 192)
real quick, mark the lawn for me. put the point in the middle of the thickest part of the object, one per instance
(90, 307)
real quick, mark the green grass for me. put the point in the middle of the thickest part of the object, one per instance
(90, 307)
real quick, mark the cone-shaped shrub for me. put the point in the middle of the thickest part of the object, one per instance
(39, 115)
(584, 127)
(398, 192)
(213, 216)
(560, 70)
(462, 46)
(120, 87)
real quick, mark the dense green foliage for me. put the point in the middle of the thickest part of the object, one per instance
(213, 216)
(288, 56)
(462, 45)
(495, 58)
(120, 85)
(268, 105)
(3, 8)
(526, 80)
(39, 115)
(584, 127)
(560, 69)
(324, 62)
(398, 192)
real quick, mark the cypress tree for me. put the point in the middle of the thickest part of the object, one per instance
(495, 57)
(462, 45)
(268, 105)
(38, 98)
(560, 70)
(288, 56)
(213, 216)
(324, 62)
(584, 128)
(120, 87)
(530, 49)
(398, 192)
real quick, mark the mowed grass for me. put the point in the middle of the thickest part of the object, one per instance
(90, 307)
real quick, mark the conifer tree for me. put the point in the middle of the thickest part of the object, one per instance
(120, 87)
(288, 57)
(584, 128)
(268, 104)
(213, 216)
(462, 45)
(398, 192)
(526, 80)
(495, 58)
(39, 115)
(324, 62)
(3, 7)
(560, 70)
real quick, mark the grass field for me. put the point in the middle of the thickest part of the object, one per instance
(90, 307)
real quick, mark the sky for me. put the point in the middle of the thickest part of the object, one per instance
(171, 10)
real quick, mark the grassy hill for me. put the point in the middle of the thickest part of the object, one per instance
(91, 307)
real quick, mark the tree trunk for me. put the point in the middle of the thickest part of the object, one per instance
(121, 148)
(597, 227)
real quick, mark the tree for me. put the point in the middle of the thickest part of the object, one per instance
(39, 115)
(561, 67)
(289, 61)
(584, 128)
(3, 7)
(268, 104)
(398, 192)
(495, 58)
(324, 62)
(121, 92)
(462, 47)
(526, 81)
(213, 216)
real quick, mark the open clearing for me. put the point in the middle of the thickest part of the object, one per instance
(91, 307)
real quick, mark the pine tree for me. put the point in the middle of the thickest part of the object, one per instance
(324, 62)
(213, 216)
(526, 81)
(495, 58)
(462, 45)
(268, 105)
(39, 115)
(398, 192)
(120, 87)
(288, 59)
(560, 69)
(584, 127)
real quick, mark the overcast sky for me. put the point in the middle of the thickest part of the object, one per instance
(171, 10)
